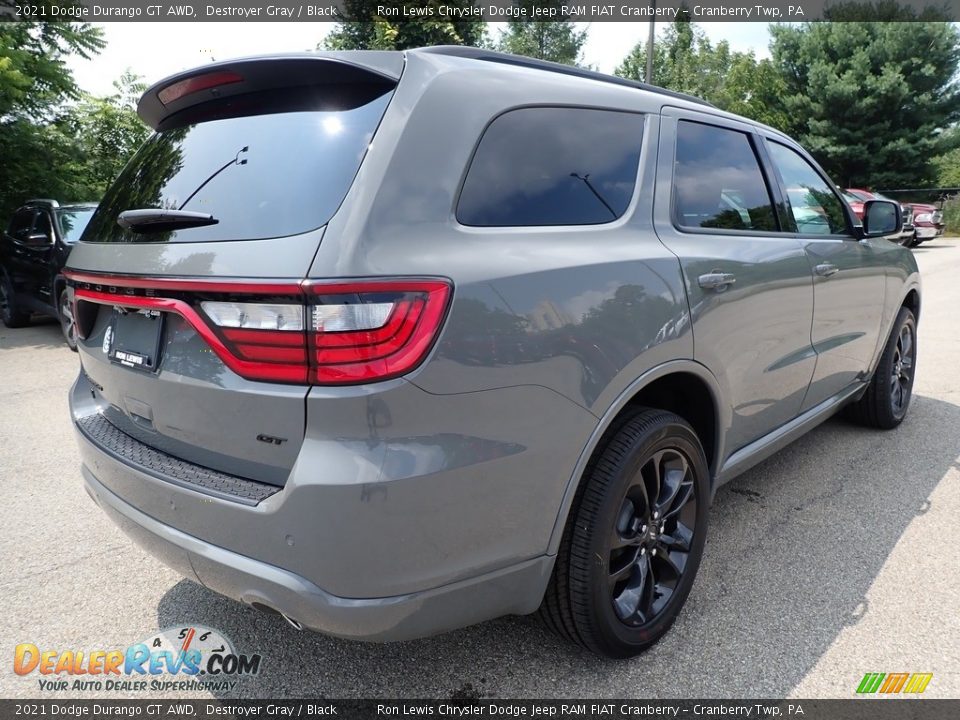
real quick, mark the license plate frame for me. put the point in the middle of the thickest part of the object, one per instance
(136, 338)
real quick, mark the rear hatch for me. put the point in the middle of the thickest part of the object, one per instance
(188, 279)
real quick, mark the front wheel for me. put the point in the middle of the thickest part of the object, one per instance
(887, 399)
(634, 538)
(10, 312)
(68, 324)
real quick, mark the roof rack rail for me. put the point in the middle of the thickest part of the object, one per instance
(42, 201)
(535, 64)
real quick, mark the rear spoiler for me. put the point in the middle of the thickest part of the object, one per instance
(268, 72)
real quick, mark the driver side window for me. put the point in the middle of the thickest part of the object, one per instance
(42, 226)
(815, 208)
(21, 223)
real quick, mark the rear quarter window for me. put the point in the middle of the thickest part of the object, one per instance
(553, 166)
(261, 173)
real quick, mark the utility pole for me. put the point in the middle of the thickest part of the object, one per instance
(649, 76)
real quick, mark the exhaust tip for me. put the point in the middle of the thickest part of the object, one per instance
(295, 624)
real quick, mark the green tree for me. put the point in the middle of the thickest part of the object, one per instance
(33, 77)
(869, 99)
(366, 29)
(686, 61)
(558, 41)
(108, 132)
(38, 153)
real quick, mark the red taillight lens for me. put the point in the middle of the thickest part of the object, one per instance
(303, 333)
(195, 84)
(366, 332)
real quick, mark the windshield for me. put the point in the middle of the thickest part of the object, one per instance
(260, 175)
(73, 222)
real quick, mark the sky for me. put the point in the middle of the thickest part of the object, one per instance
(156, 50)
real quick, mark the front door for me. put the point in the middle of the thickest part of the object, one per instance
(848, 275)
(749, 286)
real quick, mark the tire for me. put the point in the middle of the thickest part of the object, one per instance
(619, 601)
(11, 315)
(907, 241)
(68, 325)
(887, 399)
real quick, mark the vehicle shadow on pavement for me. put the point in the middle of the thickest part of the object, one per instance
(793, 549)
(40, 333)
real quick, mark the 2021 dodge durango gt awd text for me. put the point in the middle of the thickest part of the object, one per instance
(392, 343)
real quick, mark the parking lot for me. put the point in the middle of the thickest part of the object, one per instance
(837, 557)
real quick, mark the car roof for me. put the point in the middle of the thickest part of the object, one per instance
(491, 56)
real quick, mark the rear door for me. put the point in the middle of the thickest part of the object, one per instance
(848, 275)
(749, 287)
(193, 332)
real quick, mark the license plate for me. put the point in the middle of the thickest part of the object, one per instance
(135, 337)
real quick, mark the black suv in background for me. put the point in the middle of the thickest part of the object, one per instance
(33, 251)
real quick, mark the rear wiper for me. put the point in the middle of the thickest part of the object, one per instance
(155, 220)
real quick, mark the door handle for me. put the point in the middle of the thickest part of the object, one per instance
(826, 269)
(716, 280)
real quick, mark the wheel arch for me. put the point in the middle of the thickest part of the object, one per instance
(59, 285)
(912, 301)
(684, 387)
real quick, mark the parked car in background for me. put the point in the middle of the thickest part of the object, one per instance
(428, 349)
(928, 221)
(33, 250)
(856, 197)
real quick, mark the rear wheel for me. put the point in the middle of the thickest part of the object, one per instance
(634, 539)
(67, 322)
(10, 313)
(887, 399)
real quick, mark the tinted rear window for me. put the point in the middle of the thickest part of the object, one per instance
(260, 175)
(553, 166)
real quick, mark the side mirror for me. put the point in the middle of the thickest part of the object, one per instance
(881, 218)
(38, 240)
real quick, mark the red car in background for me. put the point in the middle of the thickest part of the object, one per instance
(908, 237)
(928, 222)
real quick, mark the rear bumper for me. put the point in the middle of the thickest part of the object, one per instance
(512, 590)
(928, 232)
(406, 513)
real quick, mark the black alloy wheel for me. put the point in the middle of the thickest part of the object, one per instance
(652, 537)
(901, 372)
(633, 539)
(887, 398)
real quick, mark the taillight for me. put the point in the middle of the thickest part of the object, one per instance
(365, 332)
(310, 332)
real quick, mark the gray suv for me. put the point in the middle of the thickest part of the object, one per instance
(391, 343)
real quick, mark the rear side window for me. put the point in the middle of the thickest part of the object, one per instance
(717, 181)
(262, 173)
(816, 209)
(553, 166)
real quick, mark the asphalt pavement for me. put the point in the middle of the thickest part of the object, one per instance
(836, 557)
